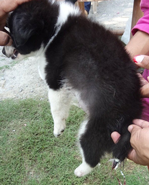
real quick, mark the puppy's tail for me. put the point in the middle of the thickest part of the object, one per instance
(123, 147)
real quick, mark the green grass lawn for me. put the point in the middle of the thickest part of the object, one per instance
(31, 155)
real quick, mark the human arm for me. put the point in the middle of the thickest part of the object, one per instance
(139, 44)
(143, 61)
(7, 6)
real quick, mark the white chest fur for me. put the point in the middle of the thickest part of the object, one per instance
(41, 66)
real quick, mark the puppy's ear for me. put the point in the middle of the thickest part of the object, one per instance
(26, 30)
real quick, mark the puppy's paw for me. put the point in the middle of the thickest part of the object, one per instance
(82, 170)
(59, 130)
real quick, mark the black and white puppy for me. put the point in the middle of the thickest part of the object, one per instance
(79, 57)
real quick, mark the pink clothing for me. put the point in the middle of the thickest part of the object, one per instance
(143, 25)
(145, 114)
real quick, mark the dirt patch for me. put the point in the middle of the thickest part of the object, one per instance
(21, 80)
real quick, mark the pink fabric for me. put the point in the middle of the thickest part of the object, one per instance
(143, 25)
(145, 101)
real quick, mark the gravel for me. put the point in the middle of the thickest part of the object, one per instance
(21, 80)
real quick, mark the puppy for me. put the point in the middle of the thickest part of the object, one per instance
(79, 57)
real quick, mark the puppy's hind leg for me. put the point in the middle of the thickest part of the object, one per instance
(93, 143)
(60, 104)
(84, 168)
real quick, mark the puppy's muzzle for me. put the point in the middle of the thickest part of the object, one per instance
(10, 52)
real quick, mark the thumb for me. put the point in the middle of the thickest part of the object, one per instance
(142, 61)
(133, 128)
(4, 38)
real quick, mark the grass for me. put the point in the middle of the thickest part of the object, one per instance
(31, 155)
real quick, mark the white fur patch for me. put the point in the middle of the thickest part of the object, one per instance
(83, 169)
(41, 66)
(66, 9)
(83, 127)
(40, 59)
(9, 51)
(60, 104)
(82, 131)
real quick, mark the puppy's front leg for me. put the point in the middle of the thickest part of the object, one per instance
(60, 104)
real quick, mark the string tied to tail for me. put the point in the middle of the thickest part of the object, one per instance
(115, 165)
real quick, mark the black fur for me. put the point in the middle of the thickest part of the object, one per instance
(96, 65)
(71, 1)
(32, 24)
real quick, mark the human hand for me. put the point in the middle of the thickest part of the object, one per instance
(7, 6)
(144, 86)
(139, 141)
(142, 61)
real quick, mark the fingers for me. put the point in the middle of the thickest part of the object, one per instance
(115, 137)
(141, 123)
(145, 91)
(139, 141)
(9, 5)
(132, 156)
(142, 80)
(145, 86)
(4, 39)
(142, 61)
(133, 128)
(135, 134)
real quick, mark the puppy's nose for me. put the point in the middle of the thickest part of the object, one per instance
(3, 51)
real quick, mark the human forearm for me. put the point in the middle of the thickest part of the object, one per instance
(138, 45)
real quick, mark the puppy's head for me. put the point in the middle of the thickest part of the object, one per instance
(25, 30)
